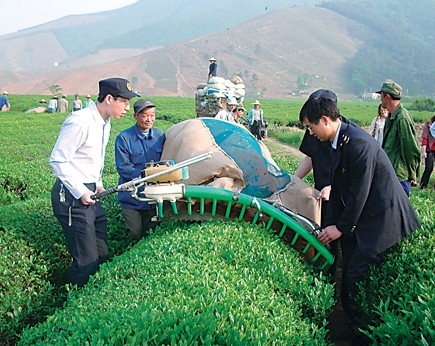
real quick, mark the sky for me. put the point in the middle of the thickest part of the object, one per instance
(22, 14)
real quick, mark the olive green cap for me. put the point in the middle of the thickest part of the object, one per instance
(391, 88)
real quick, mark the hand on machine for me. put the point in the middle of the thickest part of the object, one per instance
(159, 181)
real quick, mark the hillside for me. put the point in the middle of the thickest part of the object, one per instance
(143, 25)
(275, 54)
(402, 49)
(280, 49)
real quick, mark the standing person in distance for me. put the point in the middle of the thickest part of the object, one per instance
(378, 123)
(256, 119)
(62, 104)
(400, 139)
(212, 69)
(134, 148)
(52, 104)
(77, 160)
(427, 152)
(88, 102)
(371, 212)
(77, 103)
(4, 102)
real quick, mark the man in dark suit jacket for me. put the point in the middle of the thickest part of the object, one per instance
(371, 212)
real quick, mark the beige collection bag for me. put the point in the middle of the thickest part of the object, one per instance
(238, 165)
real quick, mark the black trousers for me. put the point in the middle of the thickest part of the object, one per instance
(428, 168)
(355, 270)
(256, 129)
(85, 230)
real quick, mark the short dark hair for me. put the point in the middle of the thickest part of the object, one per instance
(101, 98)
(314, 108)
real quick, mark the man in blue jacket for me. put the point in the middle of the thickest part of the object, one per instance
(370, 210)
(4, 102)
(134, 147)
(212, 69)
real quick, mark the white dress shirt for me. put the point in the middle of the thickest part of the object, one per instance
(78, 155)
(335, 141)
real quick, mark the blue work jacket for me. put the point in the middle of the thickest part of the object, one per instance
(133, 149)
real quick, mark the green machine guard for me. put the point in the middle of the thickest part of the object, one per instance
(201, 203)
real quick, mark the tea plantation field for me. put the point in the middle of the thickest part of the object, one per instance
(209, 283)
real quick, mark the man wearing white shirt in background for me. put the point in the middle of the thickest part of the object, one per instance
(77, 103)
(78, 160)
(227, 113)
(256, 119)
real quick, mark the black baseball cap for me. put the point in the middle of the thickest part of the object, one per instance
(116, 87)
(324, 94)
(141, 104)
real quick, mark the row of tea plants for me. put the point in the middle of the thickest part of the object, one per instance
(202, 283)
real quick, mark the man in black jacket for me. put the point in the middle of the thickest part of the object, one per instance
(371, 212)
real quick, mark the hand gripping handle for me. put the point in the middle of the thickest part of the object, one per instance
(104, 193)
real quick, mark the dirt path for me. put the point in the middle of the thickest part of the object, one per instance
(339, 332)
(282, 149)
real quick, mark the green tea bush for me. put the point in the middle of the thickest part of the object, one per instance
(423, 104)
(34, 258)
(24, 291)
(196, 284)
(23, 180)
(402, 308)
(33, 221)
(289, 136)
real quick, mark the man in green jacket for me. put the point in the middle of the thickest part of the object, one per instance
(400, 140)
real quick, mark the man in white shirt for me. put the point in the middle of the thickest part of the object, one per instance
(227, 113)
(256, 119)
(77, 103)
(78, 160)
(52, 105)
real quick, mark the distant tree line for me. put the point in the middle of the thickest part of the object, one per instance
(401, 49)
(423, 104)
